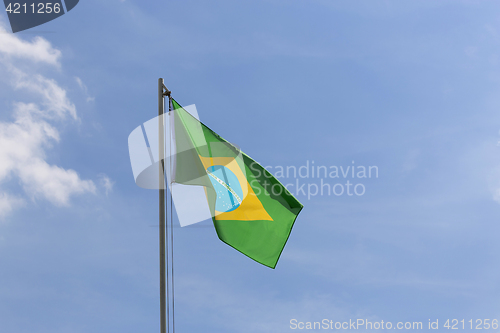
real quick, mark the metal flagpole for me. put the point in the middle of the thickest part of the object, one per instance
(170, 251)
(161, 149)
(164, 288)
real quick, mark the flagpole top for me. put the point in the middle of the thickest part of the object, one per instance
(165, 91)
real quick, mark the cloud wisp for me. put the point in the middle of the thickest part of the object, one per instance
(25, 140)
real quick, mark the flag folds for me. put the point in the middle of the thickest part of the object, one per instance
(251, 210)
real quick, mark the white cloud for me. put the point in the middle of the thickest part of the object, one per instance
(25, 141)
(22, 153)
(56, 103)
(38, 50)
(52, 182)
(9, 203)
(84, 88)
(106, 183)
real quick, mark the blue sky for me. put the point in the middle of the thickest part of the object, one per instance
(409, 87)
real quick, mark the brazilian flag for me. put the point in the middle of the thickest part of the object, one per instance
(251, 210)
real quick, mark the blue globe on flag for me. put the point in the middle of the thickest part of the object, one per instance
(227, 188)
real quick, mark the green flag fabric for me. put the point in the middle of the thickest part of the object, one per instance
(251, 210)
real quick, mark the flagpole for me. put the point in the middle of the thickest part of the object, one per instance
(161, 150)
(170, 251)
